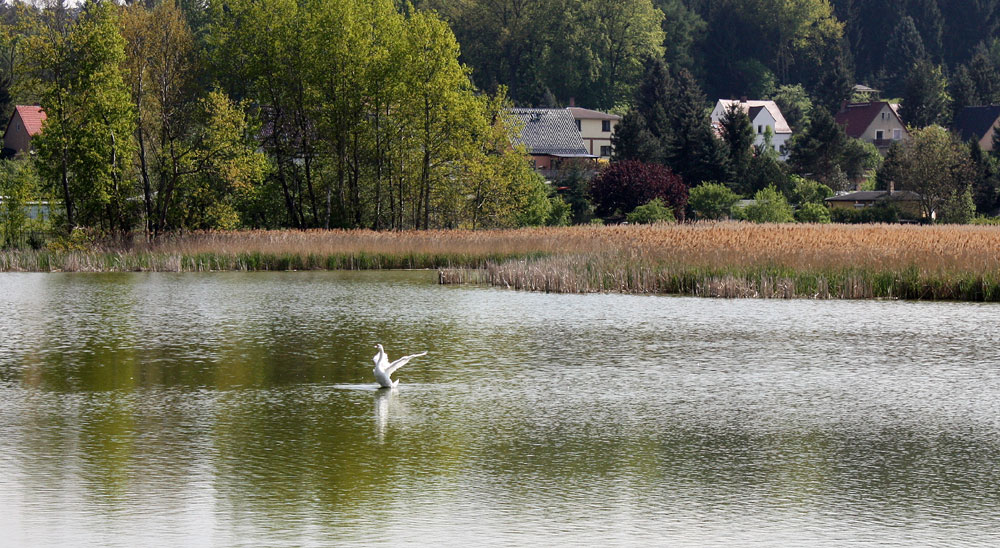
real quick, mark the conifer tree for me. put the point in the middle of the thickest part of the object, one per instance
(925, 97)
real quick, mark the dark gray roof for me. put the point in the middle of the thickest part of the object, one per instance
(874, 195)
(974, 122)
(549, 131)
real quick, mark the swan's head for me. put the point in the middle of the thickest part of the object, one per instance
(379, 346)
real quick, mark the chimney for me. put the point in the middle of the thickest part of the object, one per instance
(572, 101)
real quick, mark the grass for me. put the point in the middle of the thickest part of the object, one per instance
(708, 259)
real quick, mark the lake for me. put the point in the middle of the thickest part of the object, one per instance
(239, 409)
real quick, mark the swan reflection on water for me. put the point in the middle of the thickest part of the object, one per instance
(385, 403)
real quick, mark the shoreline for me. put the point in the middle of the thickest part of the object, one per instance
(728, 260)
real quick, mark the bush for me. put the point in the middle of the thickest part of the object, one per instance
(811, 212)
(959, 209)
(770, 207)
(867, 215)
(653, 212)
(806, 191)
(712, 200)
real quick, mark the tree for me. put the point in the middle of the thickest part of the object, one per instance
(925, 98)
(713, 201)
(683, 29)
(985, 184)
(620, 34)
(905, 49)
(692, 150)
(623, 186)
(737, 132)
(816, 150)
(632, 140)
(795, 105)
(19, 184)
(86, 147)
(770, 206)
(935, 165)
(805, 191)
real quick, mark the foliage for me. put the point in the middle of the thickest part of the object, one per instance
(795, 105)
(806, 191)
(713, 201)
(737, 132)
(770, 206)
(623, 186)
(868, 215)
(935, 165)
(19, 185)
(86, 146)
(651, 212)
(925, 96)
(959, 208)
(812, 212)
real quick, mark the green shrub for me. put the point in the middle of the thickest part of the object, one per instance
(770, 207)
(811, 212)
(652, 212)
(712, 200)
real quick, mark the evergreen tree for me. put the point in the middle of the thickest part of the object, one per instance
(904, 49)
(985, 183)
(692, 150)
(632, 140)
(985, 76)
(817, 150)
(962, 90)
(737, 132)
(925, 97)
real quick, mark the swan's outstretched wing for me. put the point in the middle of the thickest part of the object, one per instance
(401, 362)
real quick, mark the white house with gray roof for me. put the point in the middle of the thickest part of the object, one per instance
(763, 115)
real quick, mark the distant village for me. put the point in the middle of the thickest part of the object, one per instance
(576, 139)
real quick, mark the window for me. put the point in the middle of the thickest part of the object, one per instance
(879, 135)
(605, 151)
(897, 134)
(606, 126)
(760, 130)
(577, 124)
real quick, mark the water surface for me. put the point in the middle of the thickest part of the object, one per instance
(239, 410)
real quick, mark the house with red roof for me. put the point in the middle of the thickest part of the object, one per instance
(25, 123)
(876, 122)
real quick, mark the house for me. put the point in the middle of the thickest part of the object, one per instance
(906, 201)
(25, 123)
(876, 122)
(551, 138)
(596, 129)
(763, 115)
(978, 123)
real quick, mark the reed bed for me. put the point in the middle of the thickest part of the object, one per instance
(707, 259)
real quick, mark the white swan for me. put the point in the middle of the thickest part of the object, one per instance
(383, 369)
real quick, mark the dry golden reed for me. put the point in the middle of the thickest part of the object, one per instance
(713, 259)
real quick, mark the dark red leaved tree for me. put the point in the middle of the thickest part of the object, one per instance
(623, 186)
